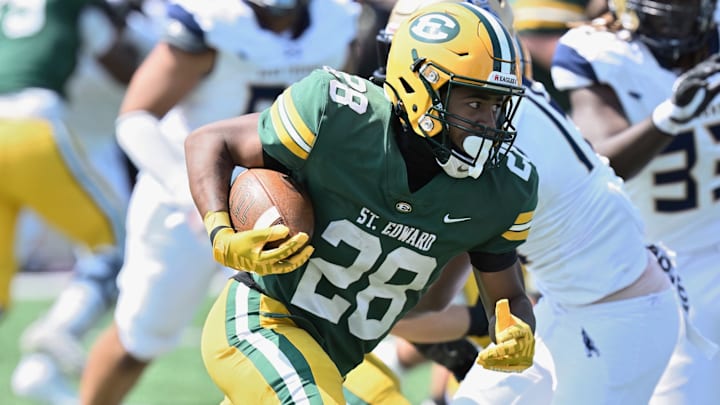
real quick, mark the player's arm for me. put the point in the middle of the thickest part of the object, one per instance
(440, 326)
(166, 76)
(500, 281)
(172, 69)
(441, 293)
(511, 321)
(101, 29)
(212, 152)
(504, 283)
(255, 140)
(598, 113)
(433, 319)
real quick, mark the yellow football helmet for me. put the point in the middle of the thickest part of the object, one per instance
(446, 45)
(404, 8)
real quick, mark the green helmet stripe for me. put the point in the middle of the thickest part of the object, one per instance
(503, 47)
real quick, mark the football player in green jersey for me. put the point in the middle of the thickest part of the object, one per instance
(402, 178)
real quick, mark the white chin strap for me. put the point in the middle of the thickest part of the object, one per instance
(458, 169)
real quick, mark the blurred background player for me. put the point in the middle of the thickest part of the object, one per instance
(52, 166)
(34, 100)
(662, 138)
(540, 23)
(587, 319)
(216, 60)
(373, 17)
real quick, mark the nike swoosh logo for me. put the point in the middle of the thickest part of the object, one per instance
(449, 220)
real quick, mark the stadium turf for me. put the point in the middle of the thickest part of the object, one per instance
(177, 378)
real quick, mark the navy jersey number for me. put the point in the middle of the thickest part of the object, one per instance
(685, 144)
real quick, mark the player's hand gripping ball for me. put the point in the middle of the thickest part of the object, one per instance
(515, 343)
(268, 227)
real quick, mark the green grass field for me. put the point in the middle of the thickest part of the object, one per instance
(178, 378)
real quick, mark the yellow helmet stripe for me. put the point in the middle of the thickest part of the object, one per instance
(503, 47)
(290, 127)
(521, 228)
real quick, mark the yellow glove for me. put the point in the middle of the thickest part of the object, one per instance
(244, 250)
(515, 343)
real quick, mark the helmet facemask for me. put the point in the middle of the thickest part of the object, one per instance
(485, 146)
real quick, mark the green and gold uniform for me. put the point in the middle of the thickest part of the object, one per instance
(40, 42)
(43, 166)
(378, 246)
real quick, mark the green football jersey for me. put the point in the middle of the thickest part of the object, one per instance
(39, 42)
(378, 246)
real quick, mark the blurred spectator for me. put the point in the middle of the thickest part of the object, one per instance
(373, 17)
(540, 23)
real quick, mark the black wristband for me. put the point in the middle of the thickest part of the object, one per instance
(479, 325)
(215, 231)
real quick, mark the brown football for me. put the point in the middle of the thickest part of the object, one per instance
(260, 198)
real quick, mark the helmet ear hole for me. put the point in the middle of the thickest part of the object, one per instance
(406, 86)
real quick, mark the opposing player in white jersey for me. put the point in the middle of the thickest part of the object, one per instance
(663, 139)
(604, 293)
(217, 60)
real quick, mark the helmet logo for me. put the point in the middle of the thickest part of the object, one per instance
(434, 28)
(404, 207)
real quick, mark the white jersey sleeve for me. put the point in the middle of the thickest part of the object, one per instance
(587, 239)
(678, 193)
(585, 56)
